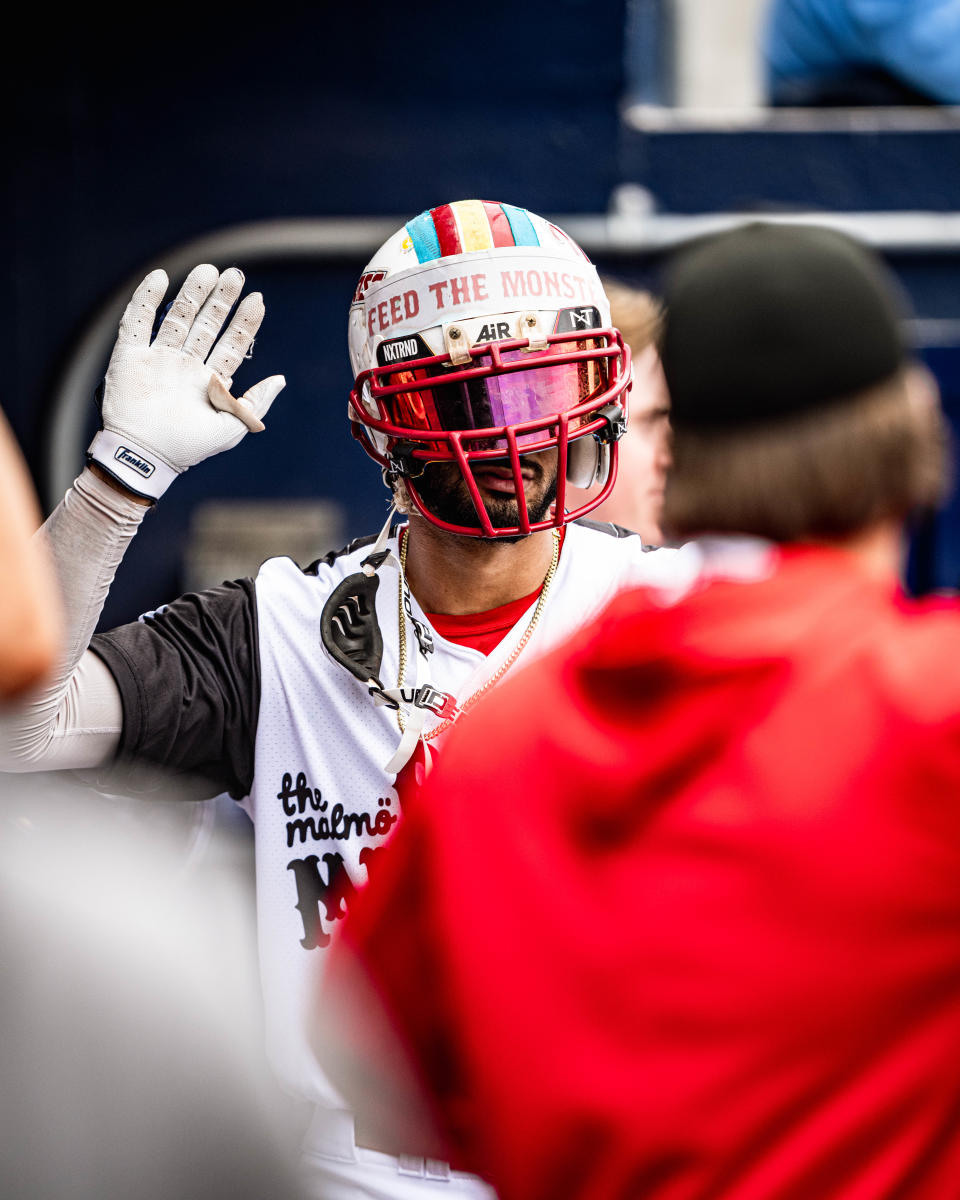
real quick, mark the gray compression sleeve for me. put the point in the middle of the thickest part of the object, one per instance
(74, 720)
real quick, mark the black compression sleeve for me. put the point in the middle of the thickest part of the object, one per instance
(189, 679)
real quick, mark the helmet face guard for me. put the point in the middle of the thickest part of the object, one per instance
(505, 401)
(479, 336)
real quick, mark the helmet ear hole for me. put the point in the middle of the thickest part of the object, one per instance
(585, 461)
(588, 462)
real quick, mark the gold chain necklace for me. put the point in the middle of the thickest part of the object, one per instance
(504, 666)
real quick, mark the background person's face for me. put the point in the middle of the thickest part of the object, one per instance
(636, 501)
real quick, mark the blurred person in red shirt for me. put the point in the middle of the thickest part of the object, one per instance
(678, 916)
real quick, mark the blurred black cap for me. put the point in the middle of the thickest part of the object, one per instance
(768, 320)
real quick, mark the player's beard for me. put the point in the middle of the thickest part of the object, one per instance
(444, 493)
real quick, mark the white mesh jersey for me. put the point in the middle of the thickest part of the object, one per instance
(234, 684)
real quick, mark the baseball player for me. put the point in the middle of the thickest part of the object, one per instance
(722, 953)
(488, 379)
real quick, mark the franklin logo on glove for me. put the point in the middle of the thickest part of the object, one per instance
(129, 459)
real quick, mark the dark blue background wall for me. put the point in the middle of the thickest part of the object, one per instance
(126, 143)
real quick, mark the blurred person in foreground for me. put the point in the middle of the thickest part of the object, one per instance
(130, 1029)
(30, 617)
(636, 502)
(678, 916)
(840, 53)
(131, 1041)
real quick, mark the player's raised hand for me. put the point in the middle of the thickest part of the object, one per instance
(166, 402)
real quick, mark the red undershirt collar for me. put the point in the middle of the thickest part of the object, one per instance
(484, 630)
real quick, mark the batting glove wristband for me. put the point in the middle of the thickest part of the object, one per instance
(167, 403)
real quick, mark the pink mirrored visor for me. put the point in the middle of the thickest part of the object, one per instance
(441, 396)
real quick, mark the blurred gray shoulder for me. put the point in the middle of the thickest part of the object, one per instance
(614, 531)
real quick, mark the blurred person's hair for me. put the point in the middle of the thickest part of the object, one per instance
(820, 473)
(637, 313)
(799, 411)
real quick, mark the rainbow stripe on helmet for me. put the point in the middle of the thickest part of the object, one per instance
(469, 225)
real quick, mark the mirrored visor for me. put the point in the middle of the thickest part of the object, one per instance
(493, 401)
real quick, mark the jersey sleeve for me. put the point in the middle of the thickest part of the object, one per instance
(189, 681)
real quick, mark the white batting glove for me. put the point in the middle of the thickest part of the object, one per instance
(167, 403)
